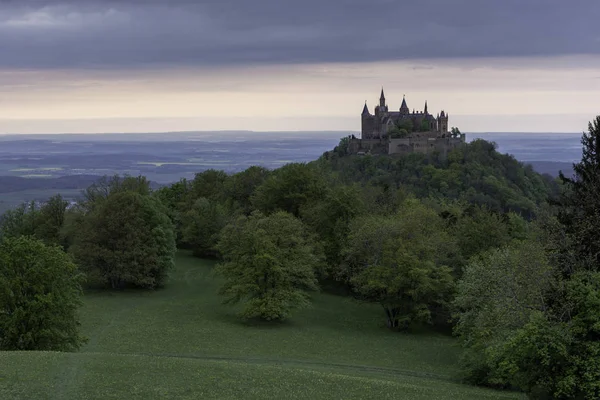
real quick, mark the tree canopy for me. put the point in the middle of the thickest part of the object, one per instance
(269, 265)
(127, 239)
(40, 294)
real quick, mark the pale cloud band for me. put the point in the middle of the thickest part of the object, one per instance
(495, 66)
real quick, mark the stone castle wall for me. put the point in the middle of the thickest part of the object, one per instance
(418, 142)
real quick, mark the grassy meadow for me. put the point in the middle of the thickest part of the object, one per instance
(182, 343)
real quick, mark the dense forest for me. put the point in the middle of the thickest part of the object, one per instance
(476, 245)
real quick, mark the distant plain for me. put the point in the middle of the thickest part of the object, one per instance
(31, 166)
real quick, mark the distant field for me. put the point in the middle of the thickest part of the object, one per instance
(14, 199)
(182, 343)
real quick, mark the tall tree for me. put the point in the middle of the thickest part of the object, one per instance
(580, 211)
(498, 293)
(201, 226)
(268, 264)
(40, 294)
(105, 186)
(400, 262)
(126, 239)
(50, 220)
(289, 188)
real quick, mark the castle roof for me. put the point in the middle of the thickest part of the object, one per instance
(365, 109)
(404, 103)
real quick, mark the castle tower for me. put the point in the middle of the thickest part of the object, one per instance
(404, 108)
(382, 109)
(443, 122)
(367, 123)
(365, 110)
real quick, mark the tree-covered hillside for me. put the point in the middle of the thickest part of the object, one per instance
(476, 173)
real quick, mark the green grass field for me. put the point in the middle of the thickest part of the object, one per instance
(181, 343)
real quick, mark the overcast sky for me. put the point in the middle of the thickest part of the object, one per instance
(133, 65)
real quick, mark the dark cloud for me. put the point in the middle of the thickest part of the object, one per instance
(129, 33)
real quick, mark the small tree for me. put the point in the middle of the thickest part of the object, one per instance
(126, 239)
(268, 264)
(40, 293)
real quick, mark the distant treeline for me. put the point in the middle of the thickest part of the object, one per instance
(10, 184)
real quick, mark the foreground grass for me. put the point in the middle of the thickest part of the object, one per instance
(181, 342)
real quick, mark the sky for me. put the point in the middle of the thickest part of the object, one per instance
(90, 66)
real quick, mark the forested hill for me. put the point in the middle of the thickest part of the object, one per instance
(476, 173)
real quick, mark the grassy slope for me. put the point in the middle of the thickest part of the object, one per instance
(180, 342)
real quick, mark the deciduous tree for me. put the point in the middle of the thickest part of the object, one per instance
(40, 293)
(400, 262)
(268, 265)
(126, 239)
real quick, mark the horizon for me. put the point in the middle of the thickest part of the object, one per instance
(232, 131)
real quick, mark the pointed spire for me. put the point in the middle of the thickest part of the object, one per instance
(382, 96)
(365, 110)
(442, 114)
(404, 108)
(426, 107)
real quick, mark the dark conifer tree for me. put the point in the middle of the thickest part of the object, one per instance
(580, 211)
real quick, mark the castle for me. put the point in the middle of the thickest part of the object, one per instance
(400, 132)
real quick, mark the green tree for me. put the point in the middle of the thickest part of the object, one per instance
(20, 221)
(406, 125)
(40, 294)
(126, 239)
(580, 211)
(268, 264)
(478, 229)
(105, 186)
(498, 293)
(330, 218)
(550, 358)
(342, 149)
(202, 224)
(175, 198)
(241, 186)
(289, 188)
(209, 184)
(400, 262)
(50, 220)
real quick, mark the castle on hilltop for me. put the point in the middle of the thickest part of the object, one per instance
(400, 132)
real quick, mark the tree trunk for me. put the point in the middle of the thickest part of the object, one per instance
(392, 317)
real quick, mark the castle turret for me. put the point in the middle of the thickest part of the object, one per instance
(442, 122)
(404, 108)
(382, 99)
(365, 110)
(426, 113)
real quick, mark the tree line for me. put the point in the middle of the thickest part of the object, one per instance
(475, 243)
